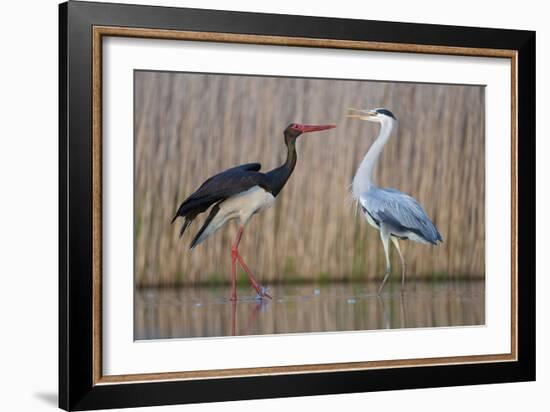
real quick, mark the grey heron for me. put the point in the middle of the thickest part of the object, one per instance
(395, 214)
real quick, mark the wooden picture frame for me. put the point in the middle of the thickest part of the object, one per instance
(82, 27)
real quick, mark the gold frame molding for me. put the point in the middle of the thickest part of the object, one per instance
(102, 31)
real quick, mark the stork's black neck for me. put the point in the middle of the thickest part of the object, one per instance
(278, 177)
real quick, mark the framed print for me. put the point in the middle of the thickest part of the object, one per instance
(257, 205)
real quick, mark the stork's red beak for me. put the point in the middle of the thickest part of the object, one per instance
(305, 128)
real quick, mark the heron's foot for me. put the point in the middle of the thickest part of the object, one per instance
(379, 292)
(262, 293)
(386, 275)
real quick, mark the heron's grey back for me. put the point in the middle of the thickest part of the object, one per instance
(401, 211)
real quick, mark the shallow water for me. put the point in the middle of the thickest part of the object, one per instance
(207, 312)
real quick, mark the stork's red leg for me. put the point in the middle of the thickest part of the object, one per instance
(234, 255)
(252, 278)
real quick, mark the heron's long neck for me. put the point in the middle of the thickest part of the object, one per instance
(363, 177)
(280, 175)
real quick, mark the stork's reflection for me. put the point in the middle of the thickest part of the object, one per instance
(255, 307)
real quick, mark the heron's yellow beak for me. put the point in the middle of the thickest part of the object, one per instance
(360, 114)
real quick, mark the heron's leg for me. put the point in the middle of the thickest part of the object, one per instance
(395, 242)
(234, 255)
(385, 237)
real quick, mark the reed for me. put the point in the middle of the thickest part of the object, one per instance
(190, 126)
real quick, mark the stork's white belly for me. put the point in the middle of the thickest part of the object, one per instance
(244, 205)
(241, 206)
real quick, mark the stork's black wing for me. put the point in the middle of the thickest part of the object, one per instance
(247, 167)
(218, 188)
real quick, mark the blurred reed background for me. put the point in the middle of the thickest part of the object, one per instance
(191, 126)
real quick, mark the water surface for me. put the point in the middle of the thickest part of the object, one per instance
(166, 313)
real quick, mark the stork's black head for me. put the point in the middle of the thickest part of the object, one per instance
(294, 130)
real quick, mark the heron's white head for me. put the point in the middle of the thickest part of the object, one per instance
(378, 115)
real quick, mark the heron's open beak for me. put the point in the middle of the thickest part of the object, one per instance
(360, 114)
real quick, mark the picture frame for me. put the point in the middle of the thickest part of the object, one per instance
(83, 27)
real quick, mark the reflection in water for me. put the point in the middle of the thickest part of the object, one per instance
(205, 312)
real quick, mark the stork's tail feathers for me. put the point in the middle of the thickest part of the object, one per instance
(207, 228)
(188, 219)
(185, 225)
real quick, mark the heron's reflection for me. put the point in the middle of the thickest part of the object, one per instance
(387, 314)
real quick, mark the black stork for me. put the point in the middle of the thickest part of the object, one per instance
(239, 193)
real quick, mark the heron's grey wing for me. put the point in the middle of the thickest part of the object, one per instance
(400, 211)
